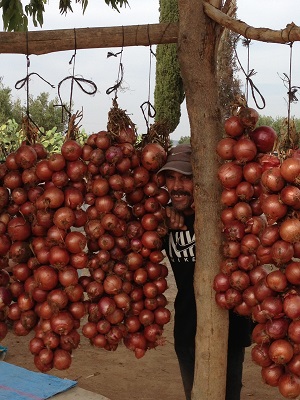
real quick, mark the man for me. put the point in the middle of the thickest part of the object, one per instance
(180, 249)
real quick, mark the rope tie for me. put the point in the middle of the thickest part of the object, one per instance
(25, 81)
(249, 82)
(120, 76)
(147, 108)
(91, 86)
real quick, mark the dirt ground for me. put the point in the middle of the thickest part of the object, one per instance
(119, 375)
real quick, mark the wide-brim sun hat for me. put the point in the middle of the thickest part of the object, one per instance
(179, 160)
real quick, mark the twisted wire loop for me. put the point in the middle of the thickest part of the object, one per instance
(290, 138)
(21, 83)
(148, 110)
(28, 123)
(292, 94)
(291, 89)
(91, 87)
(73, 60)
(249, 82)
(80, 82)
(120, 76)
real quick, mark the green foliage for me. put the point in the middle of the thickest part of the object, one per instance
(229, 85)
(36, 10)
(277, 123)
(43, 112)
(184, 140)
(287, 136)
(15, 18)
(115, 3)
(6, 105)
(10, 138)
(52, 140)
(169, 93)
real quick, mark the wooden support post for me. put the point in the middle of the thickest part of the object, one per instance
(44, 42)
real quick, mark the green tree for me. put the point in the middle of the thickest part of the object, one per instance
(288, 131)
(228, 82)
(169, 93)
(184, 140)
(10, 139)
(277, 123)
(45, 113)
(6, 105)
(15, 17)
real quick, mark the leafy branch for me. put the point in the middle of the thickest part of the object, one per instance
(15, 18)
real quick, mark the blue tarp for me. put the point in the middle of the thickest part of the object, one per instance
(18, 383)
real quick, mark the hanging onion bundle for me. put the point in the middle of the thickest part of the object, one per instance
(259, 272)
(81, 234)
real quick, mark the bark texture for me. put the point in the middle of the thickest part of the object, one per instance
(44, 42)
(198, 41)
(291, 33)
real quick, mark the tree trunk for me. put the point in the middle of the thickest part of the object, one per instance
(198, 40)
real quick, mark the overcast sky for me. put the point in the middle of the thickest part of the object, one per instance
(269, 61)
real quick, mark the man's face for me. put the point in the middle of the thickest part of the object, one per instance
(180, 188)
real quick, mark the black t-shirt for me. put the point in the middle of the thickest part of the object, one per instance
(180, 249)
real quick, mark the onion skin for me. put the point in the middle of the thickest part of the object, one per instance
(234, 230)
(289, 230)
(25, 156)
(233, 126)
(225, 148)
(273, 208)
(239, 280)
(244, 150)
(230, 174)
(272, 180)
(264, 138)
(153, 156)
(248, 116)
(252, 172)
(260, 355)
(271, 374)
(294, 331)
(277, 280)
(71, 150)
(282, 252)
(62, 359)
(292, 272)
(289, 385)
(221, 282)
(290, 195)
(291, 305)
(281, 351)
(290, 169)
(270, 235)
(277, 328)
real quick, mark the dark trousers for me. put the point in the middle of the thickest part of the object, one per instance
(235, 359)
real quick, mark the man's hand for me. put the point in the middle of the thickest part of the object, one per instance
(175, 219)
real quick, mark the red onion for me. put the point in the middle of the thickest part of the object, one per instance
(230, 174)
(264, 138)
(233, 126)
(290, 169)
